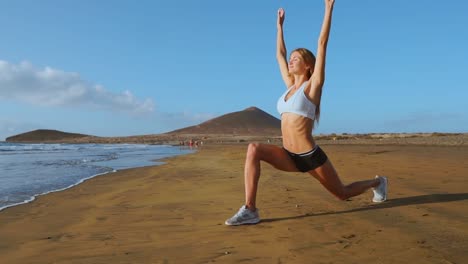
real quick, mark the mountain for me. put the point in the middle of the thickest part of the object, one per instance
(250, 121)
(43, 135)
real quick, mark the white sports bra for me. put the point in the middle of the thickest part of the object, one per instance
(298, 103)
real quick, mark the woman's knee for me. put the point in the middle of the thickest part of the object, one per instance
(342, 195)
(253, 151)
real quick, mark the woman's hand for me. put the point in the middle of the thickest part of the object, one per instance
(280, 17)
(329, 3)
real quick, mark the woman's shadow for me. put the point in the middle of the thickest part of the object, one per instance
(405, 201)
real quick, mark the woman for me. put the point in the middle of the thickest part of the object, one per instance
(299, 107)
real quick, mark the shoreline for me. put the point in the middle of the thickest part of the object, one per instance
(32, 197)
(174, 213)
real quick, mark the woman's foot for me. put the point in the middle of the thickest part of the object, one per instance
(380, 192)
(244, 216)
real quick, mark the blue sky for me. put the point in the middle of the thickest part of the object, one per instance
(116, 68)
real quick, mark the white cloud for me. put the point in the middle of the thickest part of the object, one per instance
(52, 87)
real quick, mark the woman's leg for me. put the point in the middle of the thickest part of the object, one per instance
(274, 155)
(327, 175)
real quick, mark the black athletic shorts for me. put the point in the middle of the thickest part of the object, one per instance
(310, 160)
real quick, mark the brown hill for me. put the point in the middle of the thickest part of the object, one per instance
(43, 135)
(251, 121)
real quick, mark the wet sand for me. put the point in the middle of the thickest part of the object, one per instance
(175, 213)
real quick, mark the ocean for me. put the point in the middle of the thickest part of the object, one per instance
(29, 170)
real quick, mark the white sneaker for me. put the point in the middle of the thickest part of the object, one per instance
(243, 216)
(380, 192)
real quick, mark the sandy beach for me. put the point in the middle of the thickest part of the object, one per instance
(175, 213)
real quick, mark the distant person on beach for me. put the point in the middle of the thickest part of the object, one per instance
(299, 107)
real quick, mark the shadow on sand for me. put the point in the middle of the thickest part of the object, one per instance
(405, 201)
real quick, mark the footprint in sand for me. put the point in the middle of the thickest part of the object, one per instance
(349, 236)
(258, 241)
(348, 241)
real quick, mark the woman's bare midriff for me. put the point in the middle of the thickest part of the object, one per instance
(297, 133)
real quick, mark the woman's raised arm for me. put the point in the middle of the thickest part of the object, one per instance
(318, 76)
(281, 50)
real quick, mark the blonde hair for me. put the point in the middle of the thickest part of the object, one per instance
(309, 60)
